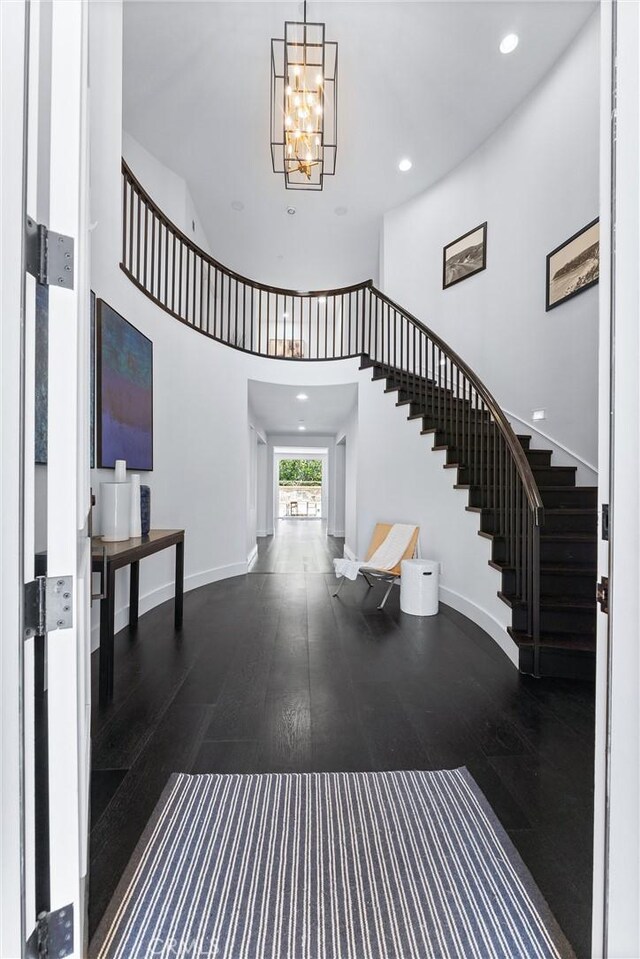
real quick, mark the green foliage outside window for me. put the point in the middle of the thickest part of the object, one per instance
(300, 473)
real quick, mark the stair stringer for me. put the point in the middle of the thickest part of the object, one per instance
(401, 479)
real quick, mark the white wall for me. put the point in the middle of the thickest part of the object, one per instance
(401, 480)
(159, 181)
(536, 183)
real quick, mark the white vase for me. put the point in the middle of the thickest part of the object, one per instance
(121, 471)
(116, 511)
(135, 525)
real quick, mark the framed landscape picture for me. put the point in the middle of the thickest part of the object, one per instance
(124, 392)
(573, 266)
(465, 256)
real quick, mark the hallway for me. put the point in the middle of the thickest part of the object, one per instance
(272, 674)
(298, 546)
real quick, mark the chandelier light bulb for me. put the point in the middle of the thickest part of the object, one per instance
(405, 165)
(319, 79)
(309, 128)
(288, 91)
(297, 101)
(287, 121)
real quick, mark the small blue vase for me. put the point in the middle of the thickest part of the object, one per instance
(145, 510)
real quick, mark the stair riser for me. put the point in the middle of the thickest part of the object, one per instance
(572, 523)
(561, 663)
(549, 476)
(461, 453)
(552, 585)
(559, 621)
(568, 552)
(560, 552)
(575, 585)
(572, 497)
(446, 419)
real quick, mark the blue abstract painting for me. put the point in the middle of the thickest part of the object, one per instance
(124, 370)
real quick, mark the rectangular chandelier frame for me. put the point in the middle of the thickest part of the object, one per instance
(304, 105)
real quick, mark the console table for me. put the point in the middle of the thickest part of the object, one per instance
(107, 558)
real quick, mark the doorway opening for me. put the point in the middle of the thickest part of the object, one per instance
(300, 488)
(300, 483)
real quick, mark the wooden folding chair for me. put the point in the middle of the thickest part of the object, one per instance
(390, 576)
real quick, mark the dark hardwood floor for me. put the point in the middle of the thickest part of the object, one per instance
(270, 673)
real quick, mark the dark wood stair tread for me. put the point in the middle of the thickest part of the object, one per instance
(551, 602)
(570, 641)
(566, 569)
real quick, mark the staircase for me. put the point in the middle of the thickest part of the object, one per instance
(567, 540)
(541, 526)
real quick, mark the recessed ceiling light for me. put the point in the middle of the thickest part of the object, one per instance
(340, 211)
(291, 210)
(302, 427)
(509, 43)
(237, 205)
(405, 165)
(302, 396)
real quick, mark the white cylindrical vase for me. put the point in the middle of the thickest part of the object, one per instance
(116, 511)
(135, 525)
(121, 471)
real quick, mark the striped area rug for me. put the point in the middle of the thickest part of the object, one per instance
(396, 865)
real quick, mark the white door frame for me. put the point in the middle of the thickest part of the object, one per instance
(58, 162)
(616, 890)
(13, 41)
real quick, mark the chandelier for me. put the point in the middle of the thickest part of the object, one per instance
(304, 101)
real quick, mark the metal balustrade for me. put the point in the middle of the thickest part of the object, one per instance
(352, 322)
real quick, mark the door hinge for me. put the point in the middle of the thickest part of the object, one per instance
(48, 605)
(53, 935)
(49, 255)
(602, 594)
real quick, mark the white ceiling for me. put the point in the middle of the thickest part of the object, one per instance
(417, 79)
(276, 409)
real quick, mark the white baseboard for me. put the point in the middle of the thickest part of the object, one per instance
(263, 532)
(163, 593)
(252, 557)
(337, 532)
(483, 619)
